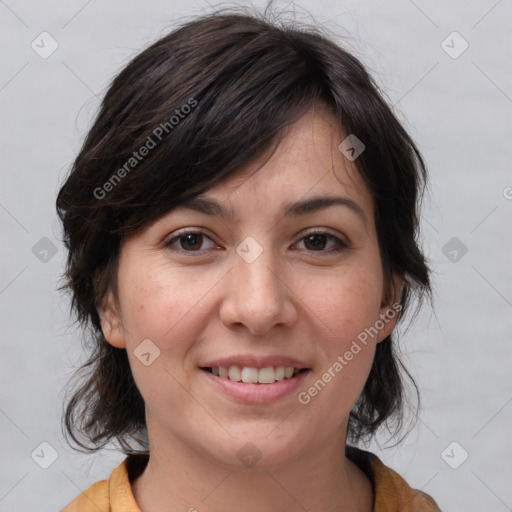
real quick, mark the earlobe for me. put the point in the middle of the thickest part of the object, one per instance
(390, 310)
(111, 324)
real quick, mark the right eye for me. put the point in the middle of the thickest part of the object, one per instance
(188, 241)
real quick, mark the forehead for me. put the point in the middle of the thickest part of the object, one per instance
(305, 163)
(303, 173)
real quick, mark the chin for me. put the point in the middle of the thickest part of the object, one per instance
(258, 452)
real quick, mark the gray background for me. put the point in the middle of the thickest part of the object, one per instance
(459, 111)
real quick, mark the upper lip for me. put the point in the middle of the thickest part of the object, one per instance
(254, 362)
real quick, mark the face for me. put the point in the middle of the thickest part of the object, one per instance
(281, 282)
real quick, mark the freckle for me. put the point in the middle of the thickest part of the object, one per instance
(141, 307)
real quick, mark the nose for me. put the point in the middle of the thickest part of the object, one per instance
(257, 296)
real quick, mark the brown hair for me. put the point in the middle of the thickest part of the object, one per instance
(211, 95)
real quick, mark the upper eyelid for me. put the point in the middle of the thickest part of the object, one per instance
(341, 239)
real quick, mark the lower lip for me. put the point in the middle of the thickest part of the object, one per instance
(257, 393)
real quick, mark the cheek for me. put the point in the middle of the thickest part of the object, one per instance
(349, 308)
(157, 301)
(346, 302)
(350, 353)
(164, 306)
(170, 307)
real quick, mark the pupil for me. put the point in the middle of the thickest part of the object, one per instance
(191, 237)
(317, 245)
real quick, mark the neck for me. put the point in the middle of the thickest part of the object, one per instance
(178, 477)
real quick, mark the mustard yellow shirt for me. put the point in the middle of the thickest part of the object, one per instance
(391, 492)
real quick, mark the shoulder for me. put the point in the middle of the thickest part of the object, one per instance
(391, 491)
(106, 495)
(94, 499)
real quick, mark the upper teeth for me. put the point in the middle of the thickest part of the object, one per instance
(248, 374)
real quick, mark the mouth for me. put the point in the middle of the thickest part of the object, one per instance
(252, 385)
(252, 375)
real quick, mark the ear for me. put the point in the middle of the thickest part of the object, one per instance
(111, 324)
(389, 310)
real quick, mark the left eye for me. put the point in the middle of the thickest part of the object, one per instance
(316, 242)
(319, 241)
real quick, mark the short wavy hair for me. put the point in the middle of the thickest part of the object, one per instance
(243, 78)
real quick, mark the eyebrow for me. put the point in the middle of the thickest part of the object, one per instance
(290, 209)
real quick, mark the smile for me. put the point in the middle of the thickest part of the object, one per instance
(251, 375)
(251, 385)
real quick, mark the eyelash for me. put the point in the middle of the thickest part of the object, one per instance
(181, 234)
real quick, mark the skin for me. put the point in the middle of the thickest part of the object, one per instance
(297, 299)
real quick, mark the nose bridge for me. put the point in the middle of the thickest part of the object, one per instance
(257, 297)
(256, 276)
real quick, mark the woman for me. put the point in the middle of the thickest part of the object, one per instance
(241, 224)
